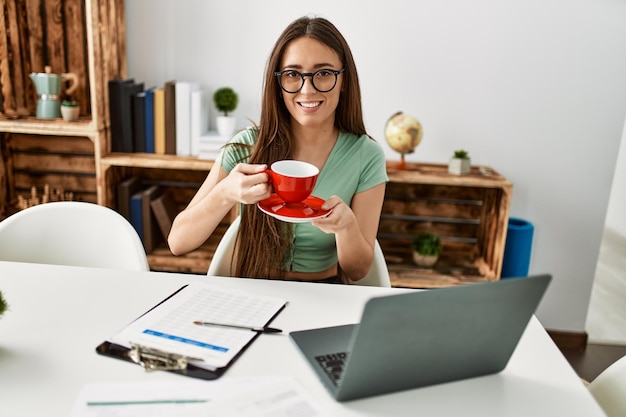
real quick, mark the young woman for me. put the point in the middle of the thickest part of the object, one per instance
(311, 112)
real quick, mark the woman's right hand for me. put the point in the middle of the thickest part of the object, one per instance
(248, 183)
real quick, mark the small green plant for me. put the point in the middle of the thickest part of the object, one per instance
(70, 103)
(225, 100)
(461, 154)
(426, 244)
(3, 305)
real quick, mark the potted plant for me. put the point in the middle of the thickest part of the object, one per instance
(3, 304)
(426, 248)
(459, 163)
(226, 101)
(70, 110)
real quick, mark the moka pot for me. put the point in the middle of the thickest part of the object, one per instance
(49, 88)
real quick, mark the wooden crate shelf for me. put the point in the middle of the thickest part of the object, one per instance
(468, 212)
(181, 178)
(85, 37)
(115, 167)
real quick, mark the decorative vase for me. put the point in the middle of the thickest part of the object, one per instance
(424, 260)
(459, 166)
(226, 126)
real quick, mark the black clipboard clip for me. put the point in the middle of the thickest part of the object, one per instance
(171, 362)
(152, 359)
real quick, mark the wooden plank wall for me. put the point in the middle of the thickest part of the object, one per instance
(35, 34)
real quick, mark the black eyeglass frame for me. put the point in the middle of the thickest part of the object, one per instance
(279, 74)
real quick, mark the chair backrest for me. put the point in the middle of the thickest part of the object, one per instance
(378, 276)
(221, 262)
(609, 389)
(222, 259)
(72, 233)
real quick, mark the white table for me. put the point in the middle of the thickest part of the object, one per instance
(58, 315)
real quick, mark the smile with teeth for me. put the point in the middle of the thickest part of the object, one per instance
(310, 104)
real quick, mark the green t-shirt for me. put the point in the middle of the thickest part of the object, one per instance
(354, 165)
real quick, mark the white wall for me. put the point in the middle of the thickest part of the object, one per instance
(616, 213)
(535, 89)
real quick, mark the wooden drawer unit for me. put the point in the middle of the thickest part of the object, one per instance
(468, 212)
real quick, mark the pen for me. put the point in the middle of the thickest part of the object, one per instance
(235, 326)
(143, 402)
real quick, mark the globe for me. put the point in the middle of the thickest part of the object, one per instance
(403, 134)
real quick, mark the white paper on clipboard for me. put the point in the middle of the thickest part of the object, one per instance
(169, 326)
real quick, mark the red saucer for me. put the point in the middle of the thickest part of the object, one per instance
(308, 210)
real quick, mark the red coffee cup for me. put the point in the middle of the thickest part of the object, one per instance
(293, 181)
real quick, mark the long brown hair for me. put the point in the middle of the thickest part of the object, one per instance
(263, 241)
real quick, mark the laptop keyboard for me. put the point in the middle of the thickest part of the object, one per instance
(333, 365)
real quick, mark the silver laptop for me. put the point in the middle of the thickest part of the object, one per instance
(423, 338)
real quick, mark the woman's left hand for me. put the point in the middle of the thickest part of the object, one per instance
(340, 216)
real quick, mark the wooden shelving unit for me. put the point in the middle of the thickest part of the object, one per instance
(468, 212)
(85, 37)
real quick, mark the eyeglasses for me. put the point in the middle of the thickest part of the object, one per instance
(292, 81)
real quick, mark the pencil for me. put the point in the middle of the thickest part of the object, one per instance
(236, 326)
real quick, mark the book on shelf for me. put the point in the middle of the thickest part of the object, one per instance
(125, 190)
(151, 232)
(139, 121)
(150, 208)
(210, 145)
(159, 120)
(170, 117)
(119, 112)
(136, 212)
(149, 119)
(126, 100)
(165, 210)
(183, 116)
(199, 123)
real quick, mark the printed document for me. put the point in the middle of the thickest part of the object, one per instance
(263, 396)
(169, 327)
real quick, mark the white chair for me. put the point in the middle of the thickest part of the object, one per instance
(72, 233)
(378, 276)
(222, 259)
(609, 389)
(221, 262)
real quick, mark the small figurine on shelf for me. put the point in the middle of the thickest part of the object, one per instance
(56, 195)
(459, 163)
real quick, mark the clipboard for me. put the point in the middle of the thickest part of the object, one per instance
(151, 357)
